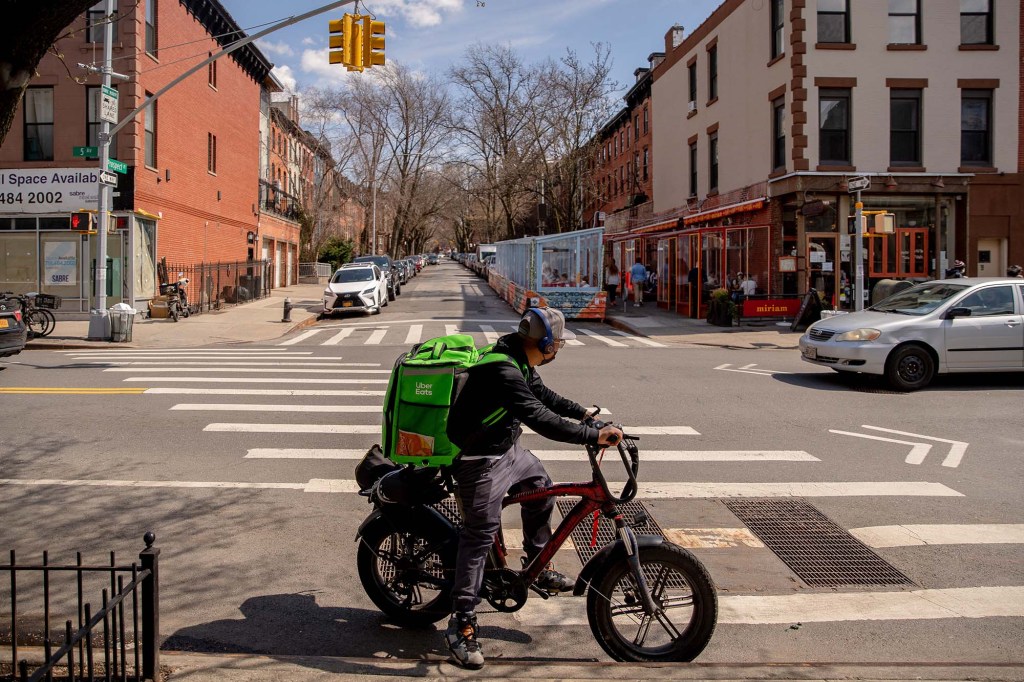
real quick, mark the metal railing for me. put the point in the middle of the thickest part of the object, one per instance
(78, 646)
(211, 286)
(315, 269)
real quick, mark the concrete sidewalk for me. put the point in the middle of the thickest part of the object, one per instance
(249, 322)
(661, 325)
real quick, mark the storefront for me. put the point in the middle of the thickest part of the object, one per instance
(39, 250)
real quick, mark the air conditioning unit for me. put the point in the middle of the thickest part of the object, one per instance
(692, 107)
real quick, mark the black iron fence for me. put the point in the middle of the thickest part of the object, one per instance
(212, 286)
(126, 626)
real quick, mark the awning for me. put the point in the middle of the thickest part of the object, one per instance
(715, 213)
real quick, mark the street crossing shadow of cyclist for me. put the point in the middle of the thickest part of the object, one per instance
(296, 625)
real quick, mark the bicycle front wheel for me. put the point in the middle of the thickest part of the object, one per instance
(679, 585)
(35, 322)
(49, 321)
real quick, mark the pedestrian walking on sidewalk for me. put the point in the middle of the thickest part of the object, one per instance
(1015, 271)
(611, 281)
(638, 277)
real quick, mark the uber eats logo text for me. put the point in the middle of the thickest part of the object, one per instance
(424, 389)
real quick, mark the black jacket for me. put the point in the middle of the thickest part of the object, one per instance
(492, 387)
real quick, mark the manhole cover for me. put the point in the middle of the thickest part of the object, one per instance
(820, 552)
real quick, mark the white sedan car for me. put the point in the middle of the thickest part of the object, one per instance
(359, 286)
(938, 327)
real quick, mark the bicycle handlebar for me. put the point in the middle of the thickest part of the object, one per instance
(628, 453)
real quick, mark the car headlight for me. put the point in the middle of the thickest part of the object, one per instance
(369, 291)
(859, 335)
(328, 292)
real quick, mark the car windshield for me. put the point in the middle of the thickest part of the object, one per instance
(920, 299)
(348, 275)
(381, 261)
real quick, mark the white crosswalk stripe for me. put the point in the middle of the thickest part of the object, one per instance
(339, 337)
(414, 334)
(604, 339)
(640, 339)
(300, 338)
(375, 337)
(489, 333)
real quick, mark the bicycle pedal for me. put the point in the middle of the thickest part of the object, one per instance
(543, 593)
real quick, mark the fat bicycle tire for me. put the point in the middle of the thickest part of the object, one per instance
(389, 569)
(675, 578)
(174, 312)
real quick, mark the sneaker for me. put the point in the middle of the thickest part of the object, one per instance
(636, 305)
(554, 582)
(462, 642)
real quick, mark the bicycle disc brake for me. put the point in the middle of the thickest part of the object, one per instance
(505, 590)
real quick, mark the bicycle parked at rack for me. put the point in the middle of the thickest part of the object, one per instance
(648, 600)
(36, 311)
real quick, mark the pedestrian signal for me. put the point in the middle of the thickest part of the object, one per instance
(81, 221)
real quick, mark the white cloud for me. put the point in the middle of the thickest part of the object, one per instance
(284, 73)
(309, 40)
(420, 13)
(282, 48)
(315, 63)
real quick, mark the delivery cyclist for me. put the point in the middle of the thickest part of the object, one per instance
(501, 396)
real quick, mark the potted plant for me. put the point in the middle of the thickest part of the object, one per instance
(721, 309)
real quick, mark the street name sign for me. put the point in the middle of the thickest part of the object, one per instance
(83, 152)
(858, 183)
(108, 178)
(108, 104)
(117, 166)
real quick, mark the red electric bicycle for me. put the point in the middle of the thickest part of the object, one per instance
(648, 600)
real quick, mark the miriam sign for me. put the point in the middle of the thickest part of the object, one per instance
(780, 307)
(48, 190)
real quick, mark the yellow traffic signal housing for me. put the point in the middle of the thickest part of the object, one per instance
(336, 28)
(353, 43)
(81, 221)
(885, 223)
(373, 42)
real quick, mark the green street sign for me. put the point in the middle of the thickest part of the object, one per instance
(117, 166)
(84, 152)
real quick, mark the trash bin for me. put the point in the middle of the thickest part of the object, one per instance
(122, 317)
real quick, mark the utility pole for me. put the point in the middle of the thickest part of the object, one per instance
(858, 254)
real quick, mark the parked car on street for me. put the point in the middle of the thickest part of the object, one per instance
(432, 259)
(13, 333)
(938, 327)
(403, 271)
(390, 271)
(356, 287)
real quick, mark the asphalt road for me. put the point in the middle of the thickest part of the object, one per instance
(241, 464)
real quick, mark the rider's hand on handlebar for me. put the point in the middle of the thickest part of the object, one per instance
(609, 436)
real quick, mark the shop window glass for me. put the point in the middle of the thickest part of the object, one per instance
(55, 223)
(24, 223)
(145, 258)
(18, 263)
(711, 260)
(825, 220)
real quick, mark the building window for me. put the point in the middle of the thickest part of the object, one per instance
(647, 160)
(779, 134)
(645, 121)
(833, 21)
(151, 43)
(150, 114)
(693, 169)
(39, 124)
(636, 127)
(95, 24)
(905, 127)
(778, 19)
(692, 69)
(713, 162)
(211, 73)
(92, 121)
(904, 22)
(211, 153)
(713, 73)
(975, 22)
(976, 128)
(834, 117)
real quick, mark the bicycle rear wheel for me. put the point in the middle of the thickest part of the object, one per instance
(35, 322)
(678, 583)
(49, 321)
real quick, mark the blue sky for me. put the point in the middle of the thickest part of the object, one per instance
(431, 35)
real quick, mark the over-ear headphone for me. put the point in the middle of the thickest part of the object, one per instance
(546, 343)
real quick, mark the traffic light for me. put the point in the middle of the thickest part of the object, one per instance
(353, 43)
(885, 223)
(81, 221)
(336, 28)
(373, 42)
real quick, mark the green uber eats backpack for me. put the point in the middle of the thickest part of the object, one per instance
(424, 385)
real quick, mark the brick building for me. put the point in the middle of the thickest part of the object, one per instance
(191, 191)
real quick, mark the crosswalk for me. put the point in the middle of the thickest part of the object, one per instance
(483, 332)
(270, 401)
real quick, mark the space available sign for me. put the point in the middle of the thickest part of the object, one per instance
(47, 190)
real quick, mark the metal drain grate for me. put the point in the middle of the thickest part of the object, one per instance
(605, 528)
(821, 553)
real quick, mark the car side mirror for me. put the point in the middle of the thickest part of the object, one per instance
(957, 312)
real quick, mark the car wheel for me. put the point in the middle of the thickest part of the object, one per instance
(910, 368)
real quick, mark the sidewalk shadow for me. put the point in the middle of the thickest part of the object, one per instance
(295, 625)
(874, 383)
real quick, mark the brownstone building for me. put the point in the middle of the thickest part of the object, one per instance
(191, 190)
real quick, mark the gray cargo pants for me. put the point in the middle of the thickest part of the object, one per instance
(482, 485)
